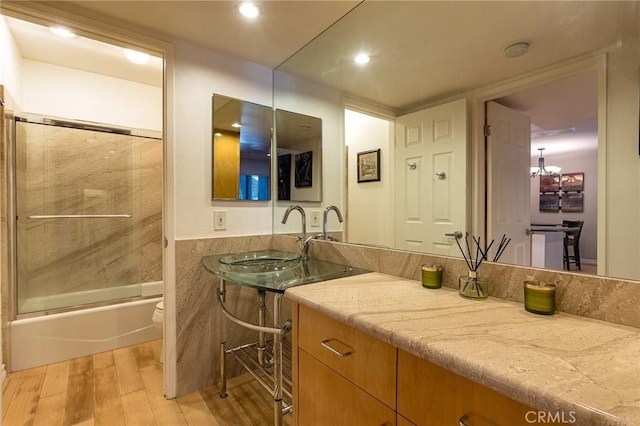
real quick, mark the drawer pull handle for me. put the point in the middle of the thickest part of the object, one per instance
(463, 419)
(338, 352)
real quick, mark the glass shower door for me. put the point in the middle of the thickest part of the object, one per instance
(88, 216)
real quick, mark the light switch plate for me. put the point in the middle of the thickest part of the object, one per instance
(314, 220)
(219, 220)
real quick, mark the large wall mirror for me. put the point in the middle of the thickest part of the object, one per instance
(299, 164)
(241, 150)
(572, 68)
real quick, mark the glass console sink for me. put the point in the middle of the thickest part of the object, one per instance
(258, 262)
(274, 270)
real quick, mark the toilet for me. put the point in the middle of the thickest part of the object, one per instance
(158, 321)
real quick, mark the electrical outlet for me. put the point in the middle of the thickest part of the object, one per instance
(315, 219)
(219, 220)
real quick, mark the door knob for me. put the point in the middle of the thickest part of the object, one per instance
(456, 234)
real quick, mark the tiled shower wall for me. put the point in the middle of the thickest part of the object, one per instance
(68, 171)
(198, 317)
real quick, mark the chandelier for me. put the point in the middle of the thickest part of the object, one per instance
(541, 170)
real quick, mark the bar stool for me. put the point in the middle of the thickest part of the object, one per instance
(572, 239)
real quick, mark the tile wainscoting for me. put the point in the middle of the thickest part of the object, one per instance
(198, 316)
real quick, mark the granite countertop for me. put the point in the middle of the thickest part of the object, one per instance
(554, 363)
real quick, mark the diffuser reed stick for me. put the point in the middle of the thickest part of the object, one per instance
(473, 263)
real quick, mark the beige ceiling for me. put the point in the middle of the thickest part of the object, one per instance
(38, 43)
(424, 50)
(282, 29)
(421, 50)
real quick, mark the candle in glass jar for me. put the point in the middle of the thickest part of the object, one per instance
(431, 276)
(539, 297)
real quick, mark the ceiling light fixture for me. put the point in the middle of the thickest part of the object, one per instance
(516, 49)
(362, 58)
(249, 10)
(62, 31)
(136, 57)
(236, 125)
(541, 170)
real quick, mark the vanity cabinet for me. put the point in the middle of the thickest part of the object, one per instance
(342, 376)
(432, 395)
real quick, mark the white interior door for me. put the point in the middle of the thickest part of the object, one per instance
(509, 182)
(431, 164)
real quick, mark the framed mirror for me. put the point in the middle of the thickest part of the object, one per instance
(299, 162)
(241, 150)
(416, 64)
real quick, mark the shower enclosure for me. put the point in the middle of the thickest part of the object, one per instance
(88, 215)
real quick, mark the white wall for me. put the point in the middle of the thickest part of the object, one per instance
(573, 162)
(313, 192)
(370, 209)
(623, 161)
(305, 97)
(198, 74)
(56, 91)
(10, 67)
(10, 78)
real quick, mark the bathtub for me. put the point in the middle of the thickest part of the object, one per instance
(57, 337)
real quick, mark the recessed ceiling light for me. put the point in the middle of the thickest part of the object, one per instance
(217, 134)
(136, 57)
(62, 31)
(362, 58)
(249, 10)
(236, 125)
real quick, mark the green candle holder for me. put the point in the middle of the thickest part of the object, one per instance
(431, 276)
(539, 297)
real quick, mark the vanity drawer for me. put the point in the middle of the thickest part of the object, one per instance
(431, 395)
(360, 358)
(327, 398)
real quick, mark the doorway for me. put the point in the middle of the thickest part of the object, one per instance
(564, 122)
(86, 131)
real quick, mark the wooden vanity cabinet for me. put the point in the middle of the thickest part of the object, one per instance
(354, 382)
(341, 375)
(432, 395)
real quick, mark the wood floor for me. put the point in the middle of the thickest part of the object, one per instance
(124, 387)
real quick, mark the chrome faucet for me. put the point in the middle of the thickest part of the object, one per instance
(302, 240)
(324, 235)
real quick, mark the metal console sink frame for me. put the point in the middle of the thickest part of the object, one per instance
(267, 271)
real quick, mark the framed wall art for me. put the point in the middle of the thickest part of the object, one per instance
(369, 166)
(304, 170)
(572, 182)
(550, 183)
(549, 202)
(284, 177)
(573, 202)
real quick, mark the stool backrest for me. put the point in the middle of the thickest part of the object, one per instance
(573, 234)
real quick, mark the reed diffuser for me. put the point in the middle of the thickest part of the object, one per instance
(471, 286)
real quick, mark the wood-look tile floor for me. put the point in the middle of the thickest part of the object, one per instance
(124, 387)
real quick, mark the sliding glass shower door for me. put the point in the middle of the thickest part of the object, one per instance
(89, 215)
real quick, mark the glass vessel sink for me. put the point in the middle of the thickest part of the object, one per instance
(274, 270)
(258, 262)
